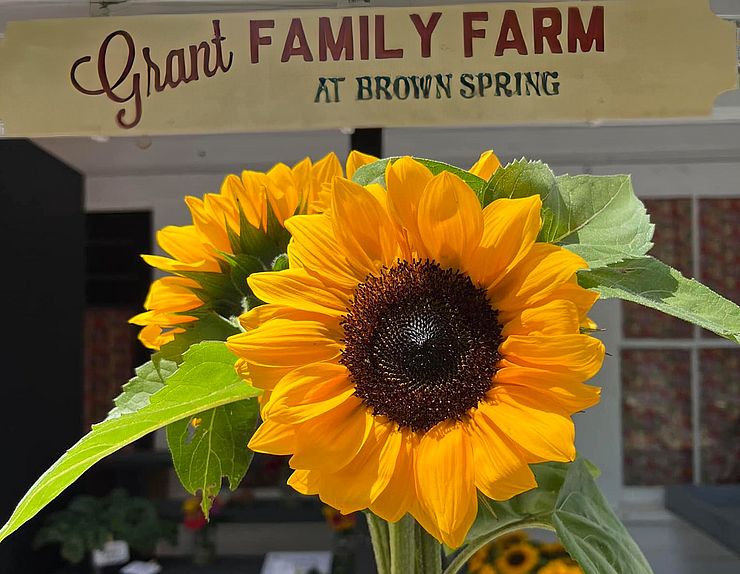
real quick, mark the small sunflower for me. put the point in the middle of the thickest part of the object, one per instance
(552, 549)
(507, 540)
(561, 566)
(479, 559)
(419, 349)
(246, 218)
(517, 559)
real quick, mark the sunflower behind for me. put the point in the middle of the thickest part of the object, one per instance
(235, 232)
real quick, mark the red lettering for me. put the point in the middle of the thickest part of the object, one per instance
(364, 38)
(578, 35)
(105, 85)
(510, 24)
(256, 40)
(469, 32)
(342, 43)
(381, 53)
(295, 32)
(551, 32)
(425, 31)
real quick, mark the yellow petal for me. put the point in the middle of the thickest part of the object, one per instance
(579, 355)
(273, 438)
(564, 389)
(445, 481)
(486, 165)
(405, 180)
(211, 229)
(558, 317)
(400, 492)
(540, 429)
(510, 227)
(307, 392)
(281, 345)
(545, 268)
(186, 245)
(315, 247)
(355, 160)
(297, 288)
(247, 196)
(331, 440)
(355, 486)
(450, 220)
(500, 470)
(306, 482)
(369, 241)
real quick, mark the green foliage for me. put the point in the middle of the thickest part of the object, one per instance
(209, 327)
(589, 529)
(372, 172)
(205, 380)
(605, 221)
(211, 446)
(651, 283)
(569, 501)
(522, 178)
(150, 378)
(89, 522)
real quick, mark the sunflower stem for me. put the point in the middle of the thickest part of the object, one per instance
(467, 552)
(379, 537)
(402, 544)
(428, 552)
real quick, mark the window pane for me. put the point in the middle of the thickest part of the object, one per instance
(719, 246)
(720, 415)
(672, 218)
(656, 416)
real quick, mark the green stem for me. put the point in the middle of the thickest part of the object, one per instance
(467, 552)
(402, 544)
(379, 536)
(428, 553)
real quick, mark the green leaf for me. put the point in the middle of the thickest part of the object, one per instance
(523, 178)
(375, 173)
(651, 283)
(211, 446)
(281, 262)
(242, 266)
(150, 377)
(589, 529)
(205, 380)
(209, 327)
(603, 222)
(372, 172)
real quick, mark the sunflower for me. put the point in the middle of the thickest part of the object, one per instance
(479, 559)
(561, 566)
(507, 540)
(419, 349)
(553, 549)
(245, 219)
(517, 559)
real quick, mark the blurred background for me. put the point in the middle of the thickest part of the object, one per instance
(77, 212)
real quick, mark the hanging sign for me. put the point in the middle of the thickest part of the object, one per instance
(476, 65)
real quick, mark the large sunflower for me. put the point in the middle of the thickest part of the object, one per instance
(245, 218)
(419, 348)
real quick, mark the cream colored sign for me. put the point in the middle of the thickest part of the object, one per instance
(477, 64)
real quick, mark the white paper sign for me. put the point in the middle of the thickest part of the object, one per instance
(138, 567)
(113, 553)
(296, 562)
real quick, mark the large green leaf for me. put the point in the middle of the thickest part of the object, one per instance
(213, 445)
(589, 529)
(375, 173)
(603, 220)
(150, 377)
(205, 380)
(649, 282)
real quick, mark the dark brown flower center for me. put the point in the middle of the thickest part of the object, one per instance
(516, 558)
(421, 343)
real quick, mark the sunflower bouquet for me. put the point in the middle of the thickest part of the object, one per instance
(516, 553)
(413, 335)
